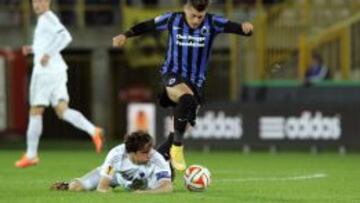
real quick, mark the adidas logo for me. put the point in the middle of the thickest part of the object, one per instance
(213, 125)
(305, 127)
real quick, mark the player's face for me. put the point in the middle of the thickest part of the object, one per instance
(143, 156)
(40, 6)
(194, 17)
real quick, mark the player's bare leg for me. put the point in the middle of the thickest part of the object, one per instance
(184, 113)
(78, 120)
(33, 133)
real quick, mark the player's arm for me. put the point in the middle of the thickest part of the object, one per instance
(104, 184)
(165, 186)
(159, 23)
(245, 29)
(163, 178)
(60, 41)
(107, 174)
(107, 171)
(223, 25)
(136, 30)
(61, 38)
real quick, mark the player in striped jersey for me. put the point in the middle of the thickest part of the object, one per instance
(191, 36)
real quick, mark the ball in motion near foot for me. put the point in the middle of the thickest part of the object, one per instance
(197, 178)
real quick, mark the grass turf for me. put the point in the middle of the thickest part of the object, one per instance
(236, 177)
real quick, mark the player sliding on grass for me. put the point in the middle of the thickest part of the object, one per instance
(134, 165)
(191, 35)
(48, 82)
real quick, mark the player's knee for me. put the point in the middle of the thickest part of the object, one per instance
(76, 186)
(59, 113)
(60, 109)
(36, 111)
(165, 101)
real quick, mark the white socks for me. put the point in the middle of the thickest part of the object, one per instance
(33, 133)
(35, 127)
(78, 120)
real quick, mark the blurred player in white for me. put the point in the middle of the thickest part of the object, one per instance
(48, 82)
(134, 165)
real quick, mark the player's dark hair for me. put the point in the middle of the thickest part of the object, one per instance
(199, 5)
(137, 141)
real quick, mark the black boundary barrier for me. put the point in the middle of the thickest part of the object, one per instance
(234, 125)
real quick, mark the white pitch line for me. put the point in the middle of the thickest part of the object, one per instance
(291, 178)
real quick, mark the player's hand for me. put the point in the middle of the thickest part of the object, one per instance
(247, 27)
(119, 41)
(44, 60)
(27, 49)
(138, 184)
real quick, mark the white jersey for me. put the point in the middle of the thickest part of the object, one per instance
(50, 37)
(119, 166)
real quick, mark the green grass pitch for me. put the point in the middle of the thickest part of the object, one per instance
(236, 177)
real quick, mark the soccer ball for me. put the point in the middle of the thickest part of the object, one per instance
(197, 178)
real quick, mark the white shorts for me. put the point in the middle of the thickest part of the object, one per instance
(46, 89)
(91, 180)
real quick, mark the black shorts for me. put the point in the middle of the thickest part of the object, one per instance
(170, 80)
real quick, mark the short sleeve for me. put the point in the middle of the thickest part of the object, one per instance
(162, 169)
(113, 158)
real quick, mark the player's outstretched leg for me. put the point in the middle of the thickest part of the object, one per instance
(87, 182)
(33, 133)
(79, 121)
(184, 114)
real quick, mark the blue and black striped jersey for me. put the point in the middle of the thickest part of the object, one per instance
(189, 49)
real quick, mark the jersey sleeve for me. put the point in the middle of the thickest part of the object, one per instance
(159, 23)
(52, 23)
(162, 169)
(219, 23)
(223, 25)
(60, 35)
(162, 21)
(108, 167)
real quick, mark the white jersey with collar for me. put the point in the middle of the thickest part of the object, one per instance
(118, 165)
(50, 37)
